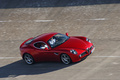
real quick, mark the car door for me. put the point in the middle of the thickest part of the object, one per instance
(40, 54)
(51, 55)
(40, 50)
(45, 54)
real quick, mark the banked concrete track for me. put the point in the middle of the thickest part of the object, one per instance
(99, 20)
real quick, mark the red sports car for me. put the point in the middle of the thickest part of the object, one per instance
(55, 47)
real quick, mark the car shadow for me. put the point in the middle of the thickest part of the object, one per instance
(4, 4)
(21, 68)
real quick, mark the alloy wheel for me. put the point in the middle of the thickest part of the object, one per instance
(65, 59)
(28, 59)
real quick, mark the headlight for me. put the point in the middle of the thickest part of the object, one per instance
(73, 51)
(88, 40)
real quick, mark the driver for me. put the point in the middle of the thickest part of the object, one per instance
(43, 46)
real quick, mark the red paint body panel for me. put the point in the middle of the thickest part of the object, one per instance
(77, 43)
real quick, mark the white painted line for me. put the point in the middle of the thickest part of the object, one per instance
(20, 76)
(10, 57)
(97, 19)
(28, 21)
(6, 21)
(110, 74)
(43, 20)
(106, 56)
(115, 63)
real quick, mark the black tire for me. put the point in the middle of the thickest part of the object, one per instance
(65, 59)
(28, 59)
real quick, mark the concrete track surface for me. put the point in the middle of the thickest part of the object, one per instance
(98, 20)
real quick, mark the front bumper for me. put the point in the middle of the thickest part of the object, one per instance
(84, 54)
(87, 52)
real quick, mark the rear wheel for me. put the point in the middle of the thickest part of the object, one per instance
(28, 59)
(65, 59)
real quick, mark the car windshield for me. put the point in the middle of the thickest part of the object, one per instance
(57, 39)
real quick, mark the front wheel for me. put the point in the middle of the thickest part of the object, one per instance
(65, 59)
(28, 59)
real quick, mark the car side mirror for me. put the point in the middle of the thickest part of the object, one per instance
(66, 34)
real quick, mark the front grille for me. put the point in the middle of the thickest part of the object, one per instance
(88, 50)
(91, 48)
(84, 53)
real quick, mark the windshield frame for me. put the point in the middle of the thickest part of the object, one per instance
(57, 41)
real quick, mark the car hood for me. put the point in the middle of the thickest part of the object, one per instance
(73, 42)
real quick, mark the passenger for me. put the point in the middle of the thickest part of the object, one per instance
(52, 41)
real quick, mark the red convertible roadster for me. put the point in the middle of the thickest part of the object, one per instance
(55, 47)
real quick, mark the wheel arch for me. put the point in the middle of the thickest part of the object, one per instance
(28, 59)
(67, 54)
(27, 53)
(24, 54)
